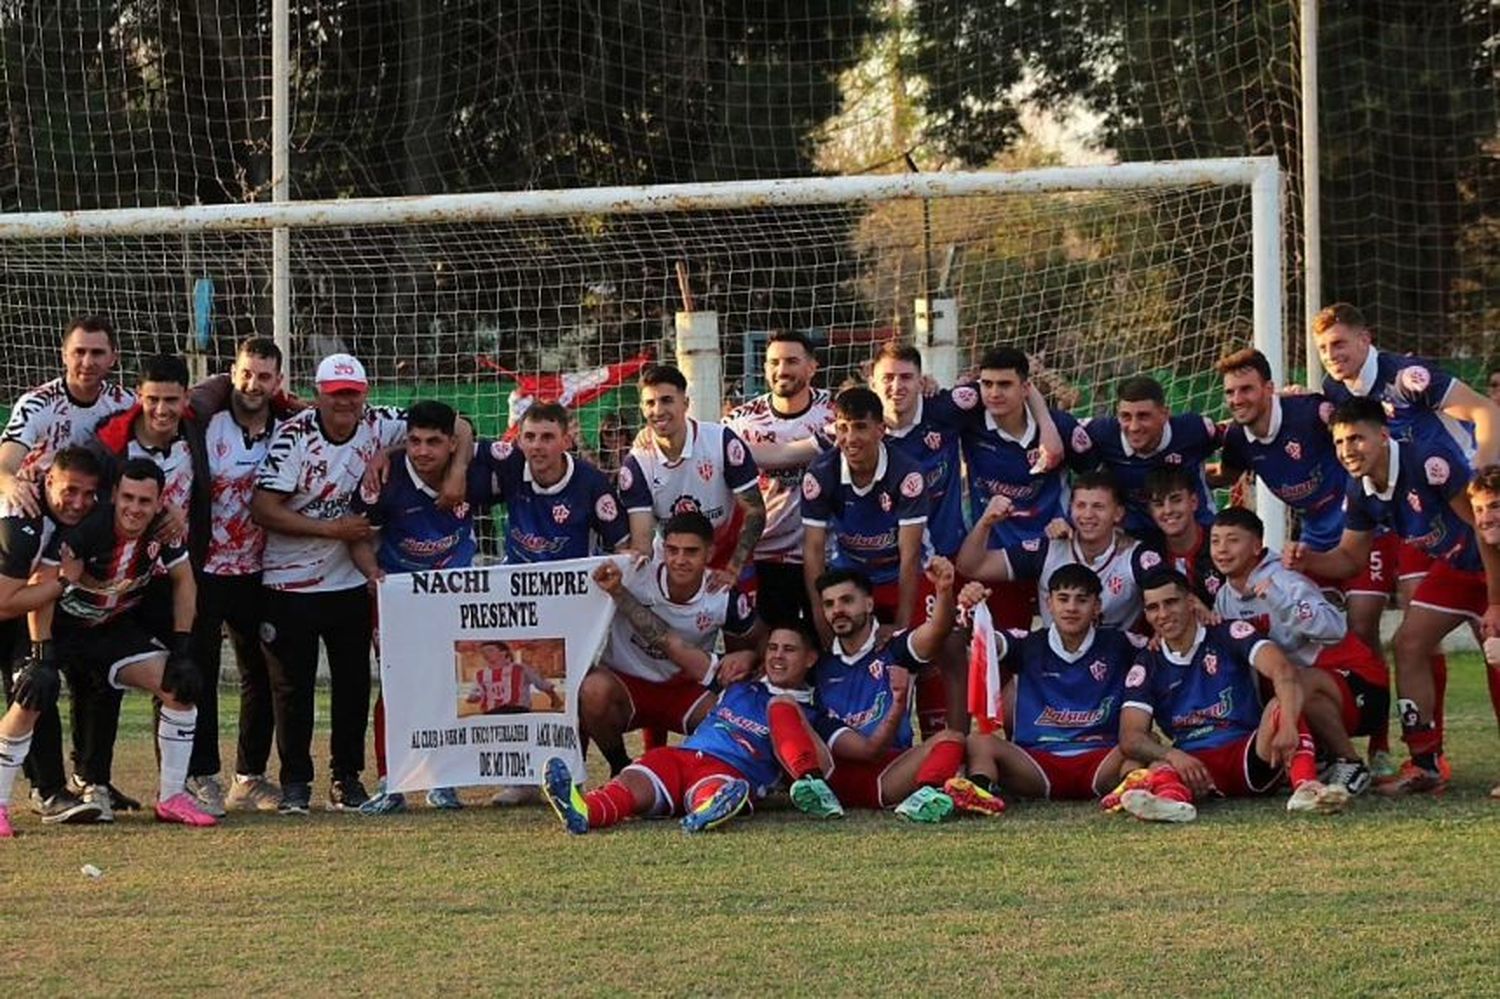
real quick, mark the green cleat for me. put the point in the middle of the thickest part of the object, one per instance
(813, 796)
(925, 804)
(565, 798)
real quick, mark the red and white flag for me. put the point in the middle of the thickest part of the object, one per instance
(986, 701)
(571, 388)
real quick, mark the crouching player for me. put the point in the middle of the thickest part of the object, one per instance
(1346, 691)
(1484, 496)
(1065, 701)
(1200, 687)
(113, 557)
(863, 691)
(759, 731)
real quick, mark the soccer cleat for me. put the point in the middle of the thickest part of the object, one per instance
(1383, 765)
(208, 793)
(296, 798)
(346, 794)
(925, 804)
(252, 794)
(1412, 779)
(814, 797)
(1315, 796)
(564, 797)
(119, 801)
(1445, 769)
(1351, 775)
(1138, 778)
(183, 808)
(384, 802)
(444, 798)
(1150, 807)
(6, 832)
(99, 797)
(64, 808)
(516, 794)
(718, 808)
(968, 796)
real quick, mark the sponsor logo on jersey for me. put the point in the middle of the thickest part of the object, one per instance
(1074, 717)
(686, 504)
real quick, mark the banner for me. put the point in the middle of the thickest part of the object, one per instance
(480, 670)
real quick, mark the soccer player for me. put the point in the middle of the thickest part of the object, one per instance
(503, 685)
(1142, 435)
(863, 687)
(557, 506)
(637, 684)
(1173, 498)
(1422, 401)
(792, 411)
(1417, 491)
(230, 594)
(61, 412)
(1484, 497)
(1201, 688)
(1344, 680)
(758, 733)
(91, 631)
(303, 492)
(1065, 701)
(70, 490)
(1094, 540)
(680, 464)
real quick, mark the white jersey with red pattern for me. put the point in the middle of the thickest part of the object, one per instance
(176, 463)
(500, 687)
(714, 466)
(48, 419)
(698, 621)
(757, 422)
(319, 477)
(234, 458)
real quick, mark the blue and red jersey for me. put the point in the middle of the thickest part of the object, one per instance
(854, 689)
(1207, 697)
(1187, 441)
(1412, 390)
(560, 521)
(1067, 702)
(931, 442)
(415, 533)
(1297, 462)
(864, 523)
(1416, 504)
(738, 731)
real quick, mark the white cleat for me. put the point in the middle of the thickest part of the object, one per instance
(1149, 807)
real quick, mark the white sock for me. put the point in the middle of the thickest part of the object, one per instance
(13, 750)
(174, 737)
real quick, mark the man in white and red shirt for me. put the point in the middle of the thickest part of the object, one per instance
(313, 467)
(679, 464)
(791, 411)
(502, 686)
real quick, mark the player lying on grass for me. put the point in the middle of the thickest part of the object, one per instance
(759, 732)
(863, 689)
(1201, 688)
(1064, 702)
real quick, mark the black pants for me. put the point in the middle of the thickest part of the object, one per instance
(781, 593)
(44, 764)
(294, 623)
(232, 604)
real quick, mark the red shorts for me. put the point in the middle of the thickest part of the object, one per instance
(1352, 655)
(1236, 770)
(1455, 591)
(1391, 560)
(664, 704)
(683, 777)
(888, 598)
(857, 782)
(1071, 777)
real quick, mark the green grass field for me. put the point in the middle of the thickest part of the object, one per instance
(1392, 898)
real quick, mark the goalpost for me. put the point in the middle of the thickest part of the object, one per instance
(1097, 272)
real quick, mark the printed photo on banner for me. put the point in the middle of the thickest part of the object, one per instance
(505, 677)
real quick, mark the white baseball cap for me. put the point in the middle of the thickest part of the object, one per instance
(339, 372)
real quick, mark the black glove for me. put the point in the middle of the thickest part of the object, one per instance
(37, 683)
(180, 678)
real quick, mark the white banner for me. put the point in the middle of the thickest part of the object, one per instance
(480, 670)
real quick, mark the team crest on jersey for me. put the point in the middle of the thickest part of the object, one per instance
(885, 502)
(153, 548)
(1136, 677)
(1032, 544)
(964, 397)
(461, 510)
(1081, 439)
(1437, 469)
(1099, 669)
(1294, 450)
(1149, 559)
(626, 478)
(500, 450)
(1033, 457)
(704, 621)
(735, 452)
(221, 448)
(1415, 378)
(1172, 459)
(706, 470)
(1212, 584)
(605, 508)
(911, 486)
(1241, 629)
(1211, 663)
(933, 440)
(560, 513)
(1116, 585)
(1415, 501)
(876, 668)
(810, 488)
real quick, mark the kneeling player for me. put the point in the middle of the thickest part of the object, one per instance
(1065, 702)
(758, 731)
(1200, 687)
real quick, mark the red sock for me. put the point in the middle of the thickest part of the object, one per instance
(1166, 784)
(932, 703)
(1304, 760)
(794, 747)
(1439, 691)
(609, 805)
(380, 736)
(1492, 674)
(942, 762)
